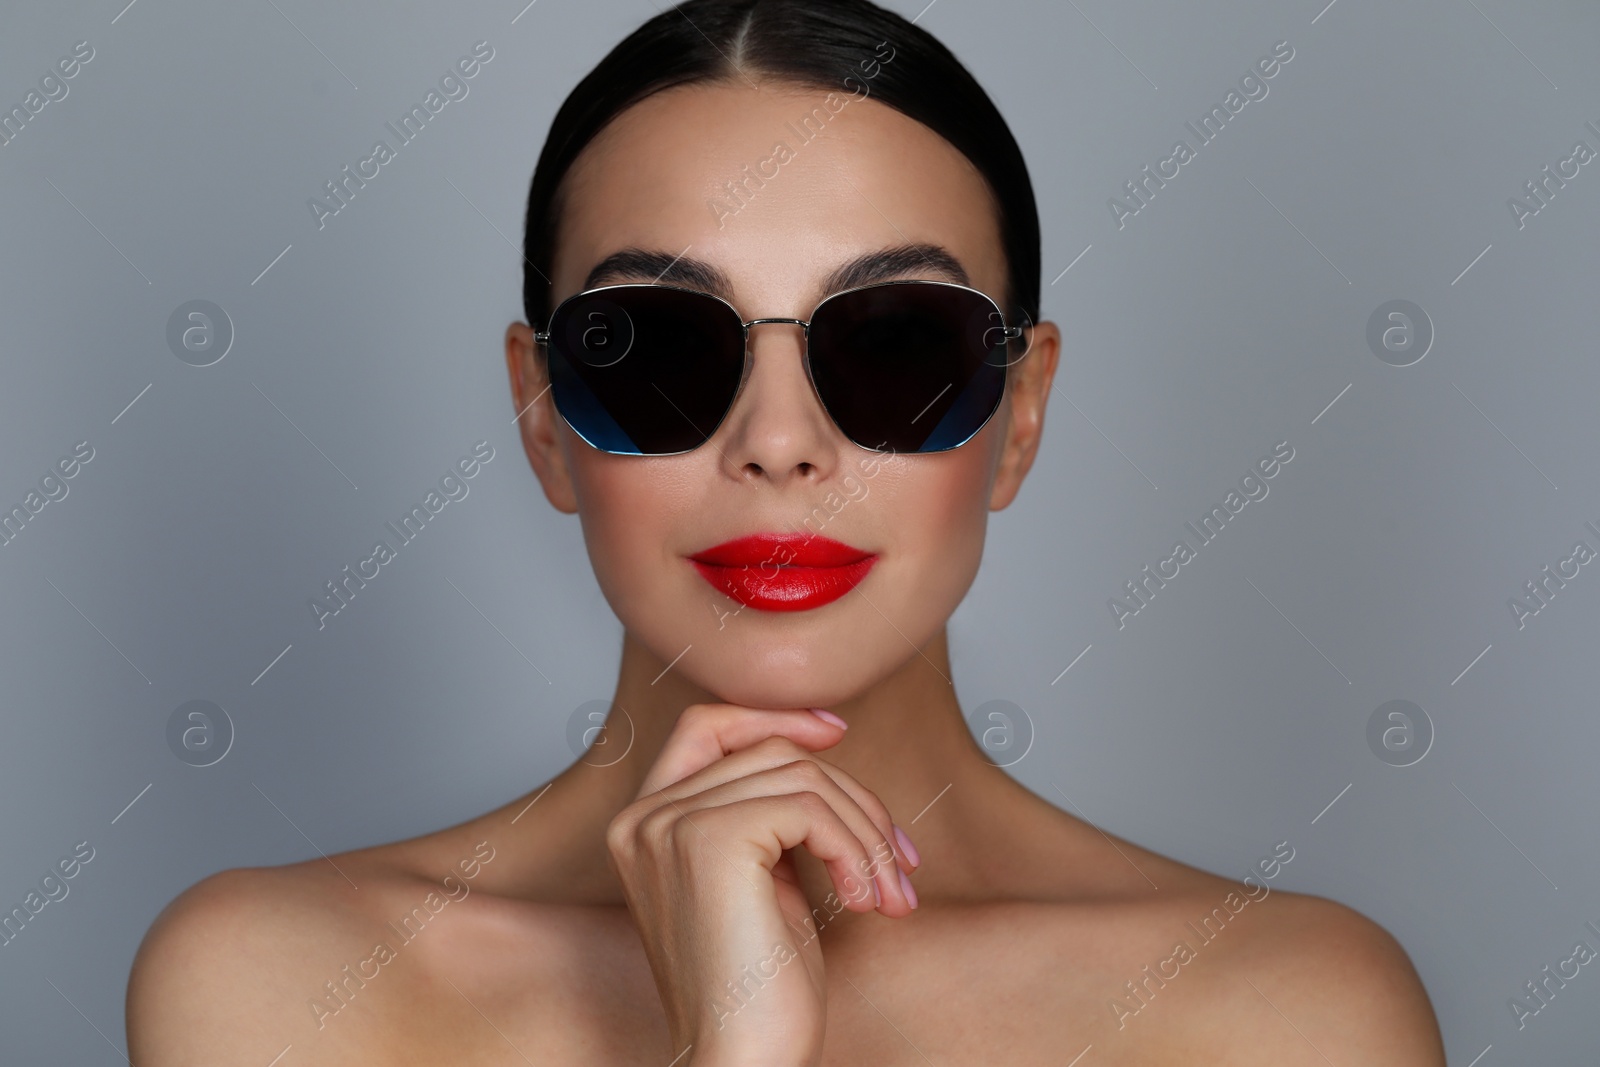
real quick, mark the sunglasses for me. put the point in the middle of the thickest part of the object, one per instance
(652, 370)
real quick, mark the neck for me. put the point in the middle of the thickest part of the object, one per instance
(906, 736)
(907, 742)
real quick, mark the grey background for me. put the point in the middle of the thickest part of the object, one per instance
(1224, 318)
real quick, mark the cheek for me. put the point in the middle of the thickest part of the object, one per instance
(937, 513)
(630, 507)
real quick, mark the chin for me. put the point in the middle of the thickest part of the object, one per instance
(786, 674)
(764, 694)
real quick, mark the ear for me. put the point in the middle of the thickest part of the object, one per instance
(1028, 391)
(539, 422)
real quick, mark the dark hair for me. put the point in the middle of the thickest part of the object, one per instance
(810, 42)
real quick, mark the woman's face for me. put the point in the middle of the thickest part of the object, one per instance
(657, 180)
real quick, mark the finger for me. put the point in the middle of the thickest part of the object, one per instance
(705, 733)
(807, 775)
(777, 751)
(759, 829)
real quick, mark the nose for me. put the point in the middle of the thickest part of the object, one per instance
(778, 431)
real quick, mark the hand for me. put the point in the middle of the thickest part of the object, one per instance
(703, 857)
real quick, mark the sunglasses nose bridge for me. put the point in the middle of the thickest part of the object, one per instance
(805, 337)
(745, 396)
(805, 327)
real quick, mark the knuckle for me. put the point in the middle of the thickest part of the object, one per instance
(658, 824)
(692, 721)
(686, 838)
(805, 771)
(813, 803)
(876, 809)
(777, 747)
(856, 888)
(882, 856)
(619, 831)
(621, 847)
(697, 715)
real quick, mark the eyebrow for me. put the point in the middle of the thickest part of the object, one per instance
(896, 262)
(632, 264)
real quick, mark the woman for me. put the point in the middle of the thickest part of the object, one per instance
(783, 258)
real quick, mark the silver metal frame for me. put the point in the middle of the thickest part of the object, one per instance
(542, 338)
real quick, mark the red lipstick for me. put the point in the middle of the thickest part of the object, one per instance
(783, 572)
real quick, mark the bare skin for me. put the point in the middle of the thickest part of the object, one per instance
(587, 920)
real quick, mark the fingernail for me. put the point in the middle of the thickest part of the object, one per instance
(877, 895)
(907, 847)
(905, 884)
(828, 716)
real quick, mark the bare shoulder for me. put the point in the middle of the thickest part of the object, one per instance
(1184, 966)
(215, 976)
(250, 962)
(1306, 980)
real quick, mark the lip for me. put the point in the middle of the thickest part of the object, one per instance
(783, 572)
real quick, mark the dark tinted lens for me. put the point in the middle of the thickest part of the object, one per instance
(645, 369)
(912, 366)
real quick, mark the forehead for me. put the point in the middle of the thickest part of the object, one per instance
(776, 186)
